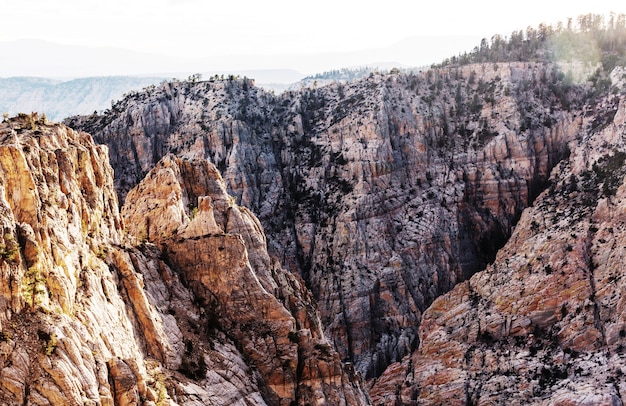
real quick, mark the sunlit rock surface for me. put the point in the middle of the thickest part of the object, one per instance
(91, 313)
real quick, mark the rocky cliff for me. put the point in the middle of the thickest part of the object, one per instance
(220, 249)
(96, 314)
(454, 236)
(543, 324)
(458, 230)
(382, 194)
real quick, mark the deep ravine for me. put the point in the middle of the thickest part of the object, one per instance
(383, 194)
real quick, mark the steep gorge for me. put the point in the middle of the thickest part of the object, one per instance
(545, 323)
(450, 236)
(94, 315)
(382, 194)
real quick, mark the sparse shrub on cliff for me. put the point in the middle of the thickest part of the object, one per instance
(33, 286)
(9, 248)
(609, 171)
(50, 342)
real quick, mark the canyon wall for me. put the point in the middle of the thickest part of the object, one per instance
(95, 312)
(382, 194)
(543, 324)
(451, 236)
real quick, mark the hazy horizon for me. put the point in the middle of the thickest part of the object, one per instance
(43, 58)
(70, 38)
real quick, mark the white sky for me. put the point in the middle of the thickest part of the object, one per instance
(200, 28)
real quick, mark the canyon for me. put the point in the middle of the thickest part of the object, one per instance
(377, 193)
(92, 314)
(449, 236)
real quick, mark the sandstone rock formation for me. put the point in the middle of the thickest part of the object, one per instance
(61, 323)
(388, 202)
(382, 194)
(544, 324)
(91, 315)
(221, 252)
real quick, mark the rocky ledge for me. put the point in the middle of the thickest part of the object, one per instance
(545, 323)
(182, 310)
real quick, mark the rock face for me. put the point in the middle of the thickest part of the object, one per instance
(92, 315)
(409, 199)
(545, 323)
(382, 194)
(58, 206)
(388, 201)
(221, 252)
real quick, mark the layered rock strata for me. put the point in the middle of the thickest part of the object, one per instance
(382, 194)
(545, 323)
(90, 317)
(220, 250)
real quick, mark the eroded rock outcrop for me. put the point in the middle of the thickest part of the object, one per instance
(382, 194)
(544, 324)
(409, 197)
(60, 326)
(220, 250)
(91, 316)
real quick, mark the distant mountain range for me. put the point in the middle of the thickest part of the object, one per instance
(59, 99)
(64, 80)
(30, 57)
